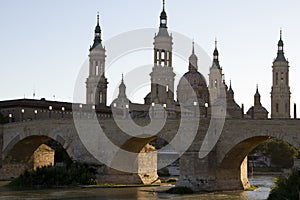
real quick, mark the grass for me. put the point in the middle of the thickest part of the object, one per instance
(252, 188)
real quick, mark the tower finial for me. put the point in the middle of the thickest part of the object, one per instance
(122, 77)
(98, 18)
(193, 50)
(216, 43)
(164, 4)
(280, 33)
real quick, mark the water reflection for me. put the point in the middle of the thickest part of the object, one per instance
(142, 193)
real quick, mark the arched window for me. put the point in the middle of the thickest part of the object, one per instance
(277, 107)
(100, 98)
(276, 78)
(101, 71)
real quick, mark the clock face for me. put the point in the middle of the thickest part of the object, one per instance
(280, 48)
(163, 21)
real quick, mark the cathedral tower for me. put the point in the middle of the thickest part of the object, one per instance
(280, 94)
(215, 76)
(96, 84)
(162, 75)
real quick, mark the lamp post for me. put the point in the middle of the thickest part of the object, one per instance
(94, 111)
(206, 110)
(35, 113)
(127, 110)
(10, 118)
(152, 108)
(50, 110)
(62, 112)
(22, 114)
(195, 103)
(80, 107)
(165, 106)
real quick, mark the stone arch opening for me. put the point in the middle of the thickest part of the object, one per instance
(30, 153)
(138, 160)
(232, 172)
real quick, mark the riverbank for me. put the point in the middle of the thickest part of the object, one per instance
(138, 193)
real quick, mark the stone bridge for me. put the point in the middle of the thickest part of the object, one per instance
(224, 168)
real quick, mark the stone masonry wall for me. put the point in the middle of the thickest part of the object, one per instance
(43, 156)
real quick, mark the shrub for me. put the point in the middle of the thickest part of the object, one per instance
(286, 187)
(180, 190)
(49, 176)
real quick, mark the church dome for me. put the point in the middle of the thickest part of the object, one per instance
(194, 78)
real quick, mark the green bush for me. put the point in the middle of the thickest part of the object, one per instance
(50, 176)
(286, 187)
(180, 190)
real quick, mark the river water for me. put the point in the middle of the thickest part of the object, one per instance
(137, 193)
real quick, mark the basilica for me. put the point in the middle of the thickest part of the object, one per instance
(192, 89)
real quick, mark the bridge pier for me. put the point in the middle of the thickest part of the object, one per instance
(205, 174)
(145, 165)
(1, 145)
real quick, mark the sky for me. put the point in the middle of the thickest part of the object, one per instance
(45, 44)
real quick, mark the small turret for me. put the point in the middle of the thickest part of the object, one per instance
(97, 39)
(193, 60)
(280, 53)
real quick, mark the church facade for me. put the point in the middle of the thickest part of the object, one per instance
(162, 82)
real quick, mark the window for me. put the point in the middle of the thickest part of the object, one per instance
(101, 70)
(100, 97)
(97, 70)
(216, 83)
(277, 107)
(167, 88)
(276, 78)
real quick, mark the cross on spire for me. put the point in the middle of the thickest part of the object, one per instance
(216, 43)
(193, 50)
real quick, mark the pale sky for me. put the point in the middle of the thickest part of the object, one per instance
(43, 44)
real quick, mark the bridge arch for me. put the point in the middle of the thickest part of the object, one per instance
(20, 140)
(232, 155)
(29, 153)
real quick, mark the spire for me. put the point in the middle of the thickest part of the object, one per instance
(257, 93)
(193, 60)
(230, 93)
(163, 17)
(193, 49)
(280, 53)
(257, 102)
(97, 39)
(122, 89)
(216, 63)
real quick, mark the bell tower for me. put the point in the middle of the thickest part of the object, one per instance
(280, 94)
(96, 83)
(162, 75)
(215, 76)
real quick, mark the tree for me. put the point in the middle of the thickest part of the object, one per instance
(281, 153)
